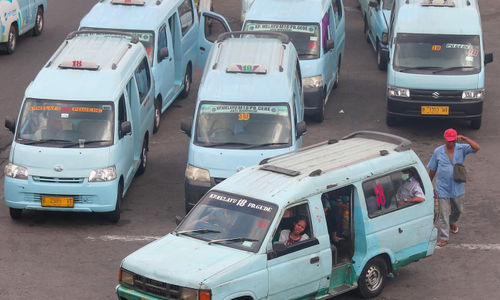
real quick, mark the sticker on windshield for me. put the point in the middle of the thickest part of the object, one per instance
(48, 107)
(262, 224)
(280, 110)
(436, 47)
(313, 38)
(473, 52)
(255, 206)
(458, 46)
(244, 116)
(87, 109)
(247, 244)
(313, 45)
(311, 29)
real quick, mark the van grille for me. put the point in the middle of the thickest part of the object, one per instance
(57, 179)
(430, 95)
(156, 288)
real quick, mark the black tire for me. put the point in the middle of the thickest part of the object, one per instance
(373, 278)
(337, 75)
(114, 216)
(15, 213)
(12, 39)
(157, 121)
(37, 30)
(187, 83)
(476, 123)
(144, 157)
(366, 31)
(391, 120)
(319, 116)
(381, 62)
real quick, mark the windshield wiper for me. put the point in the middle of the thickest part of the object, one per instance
(85, 143)
(452, 68)
(235, 239)
(210, 145)
(196, 230)
(404, 69)
(265, 145)
(33, 142)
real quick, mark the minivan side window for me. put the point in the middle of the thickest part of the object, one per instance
(143, 79)
(295, 216)
(386, 194)
(162, 40)
(186, 15)
(122, 113)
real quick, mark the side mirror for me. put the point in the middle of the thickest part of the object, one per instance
(373, 4)
(186, 126)
(125, 128)
(163, 53)
(301, 128)
(10, 124)
(488, 57)
(330, 44)
(178, 220)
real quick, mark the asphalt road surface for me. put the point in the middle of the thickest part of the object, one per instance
(77, 256)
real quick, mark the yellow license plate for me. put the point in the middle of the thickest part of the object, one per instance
(57, 201)
(435, 110)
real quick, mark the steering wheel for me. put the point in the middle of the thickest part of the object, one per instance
(220, 132)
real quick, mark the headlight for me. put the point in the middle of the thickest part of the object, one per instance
(312, 82)
(192, 294)
(398, 92)
(15, 171)
(105, 174)
(126, 277)
(197, 174)
(473, 94)
(385, 38)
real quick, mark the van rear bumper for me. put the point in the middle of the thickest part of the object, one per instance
(313, 98)
(413, 108)
(88, 196)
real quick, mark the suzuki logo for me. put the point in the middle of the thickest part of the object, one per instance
(58, 168)
(435, 95)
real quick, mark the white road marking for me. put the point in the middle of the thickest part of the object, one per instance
(473, 246)
(125, 238)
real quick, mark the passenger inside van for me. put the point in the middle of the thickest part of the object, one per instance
(296, 233)
(410, 190)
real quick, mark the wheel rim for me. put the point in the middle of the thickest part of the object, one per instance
(373, 278)
(157, 115)
(186, 82)
(39, 22)
(144, 156)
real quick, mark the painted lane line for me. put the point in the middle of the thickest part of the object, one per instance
(475, 246)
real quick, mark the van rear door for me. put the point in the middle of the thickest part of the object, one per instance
(211, 25)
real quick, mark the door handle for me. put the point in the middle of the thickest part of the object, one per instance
(202, 48)
(400, 230)
(314, 260)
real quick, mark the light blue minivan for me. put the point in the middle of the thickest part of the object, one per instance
(249, 107)
(376, 14)
(168, 31)
(234, 244)
(19, 17)
(436, 67)
(84, 126)
(317, 30)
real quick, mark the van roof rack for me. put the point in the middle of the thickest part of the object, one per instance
(88, 65)
(239, 34)
(129, 2)
(445, 3)
(404, 144)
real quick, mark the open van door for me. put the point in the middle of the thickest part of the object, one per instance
(211, 26)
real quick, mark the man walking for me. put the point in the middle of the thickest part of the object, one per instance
(450, 194)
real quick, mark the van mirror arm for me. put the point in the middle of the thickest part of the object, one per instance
(301, 128)
(330, 44)
(125, 128)
(488, 58)
(10, 124)
(404, 144)
(163, 53)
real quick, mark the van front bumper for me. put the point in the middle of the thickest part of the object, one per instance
(466, 109)
(313, 99)
(124, 293)
(87, 196)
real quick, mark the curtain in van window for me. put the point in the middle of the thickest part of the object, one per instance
(142, 78)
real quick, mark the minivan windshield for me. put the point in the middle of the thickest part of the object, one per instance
(304, 36)
(230, 220)
(66, 124)
(243, 125)
(437, 54)
(147, 39)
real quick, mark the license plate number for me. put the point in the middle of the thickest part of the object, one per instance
(57, 201)
(435, 110)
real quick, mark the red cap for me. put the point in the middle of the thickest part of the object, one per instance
(450, 135)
